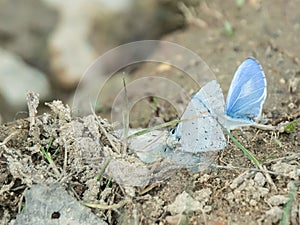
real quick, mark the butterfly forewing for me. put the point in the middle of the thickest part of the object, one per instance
(247, 92)
(211, 97)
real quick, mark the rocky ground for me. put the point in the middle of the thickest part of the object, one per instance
(80, 155)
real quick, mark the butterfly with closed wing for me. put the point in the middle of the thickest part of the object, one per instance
(245, 98)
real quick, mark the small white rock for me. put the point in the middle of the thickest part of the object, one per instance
(184, 203)
(260, 179)
(277, 200)
(273, 215)
(203, 195)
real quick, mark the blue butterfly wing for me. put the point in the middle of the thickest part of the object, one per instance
(202, 132)
(247, 92)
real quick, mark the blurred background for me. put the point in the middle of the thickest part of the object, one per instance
(46, 45)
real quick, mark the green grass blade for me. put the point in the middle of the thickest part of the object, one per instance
(103, 169)
(246, 151)
(167, 124)
(147, 130)
(288, 206)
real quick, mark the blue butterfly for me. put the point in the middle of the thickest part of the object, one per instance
(244, 101)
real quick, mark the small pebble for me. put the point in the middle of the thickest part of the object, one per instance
(260, 179)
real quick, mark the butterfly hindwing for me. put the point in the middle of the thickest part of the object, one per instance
(202, 132)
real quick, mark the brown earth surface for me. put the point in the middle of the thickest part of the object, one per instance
(266, 30)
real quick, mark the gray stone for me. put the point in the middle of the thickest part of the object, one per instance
(16, 79)
(49, 205)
